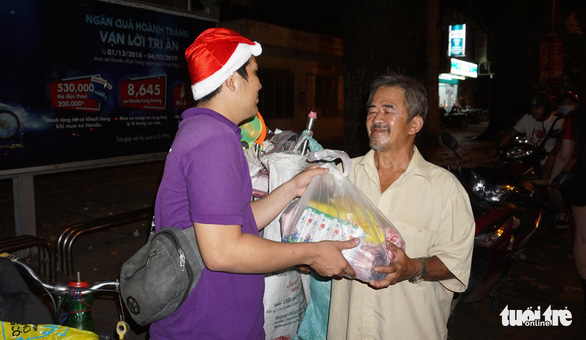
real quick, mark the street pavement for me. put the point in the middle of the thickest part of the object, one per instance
(542, 275)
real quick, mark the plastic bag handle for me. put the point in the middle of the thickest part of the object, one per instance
(331, 155)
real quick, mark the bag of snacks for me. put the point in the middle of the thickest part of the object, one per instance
(333, 208)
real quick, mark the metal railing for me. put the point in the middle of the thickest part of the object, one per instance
(72, 233)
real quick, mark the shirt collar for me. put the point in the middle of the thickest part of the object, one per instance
(418, 166)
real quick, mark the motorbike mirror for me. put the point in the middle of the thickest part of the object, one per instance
(449, 140)
(573, 188)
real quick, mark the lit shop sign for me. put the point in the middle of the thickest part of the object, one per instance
(464, 68)
(449, 76)
(457, 41)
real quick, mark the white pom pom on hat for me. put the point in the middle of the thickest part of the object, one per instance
(214, 56)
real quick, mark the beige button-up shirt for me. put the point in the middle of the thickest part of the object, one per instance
(432, 211)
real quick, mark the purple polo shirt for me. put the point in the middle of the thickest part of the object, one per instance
(206, 180)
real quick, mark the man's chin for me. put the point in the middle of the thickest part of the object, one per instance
(376, 146)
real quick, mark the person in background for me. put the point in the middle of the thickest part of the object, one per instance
(458, 105)
(567, 102)
(206, 185)
(430, 209)
(538, 126)
(574, 142)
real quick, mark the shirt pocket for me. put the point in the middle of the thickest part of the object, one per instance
(418, 241)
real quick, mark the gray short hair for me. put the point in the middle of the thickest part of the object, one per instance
(415, 93)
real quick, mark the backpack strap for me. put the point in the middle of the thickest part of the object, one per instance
(542, 144)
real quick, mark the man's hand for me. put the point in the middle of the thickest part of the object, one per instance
(330, 262)
(300, 182)
(403, 268)
(266, 209)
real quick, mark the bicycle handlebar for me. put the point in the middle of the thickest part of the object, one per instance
(59, 288)
(63, 290)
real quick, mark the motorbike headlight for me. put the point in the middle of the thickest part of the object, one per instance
(487, 191)
(490, 238)
(517, 152)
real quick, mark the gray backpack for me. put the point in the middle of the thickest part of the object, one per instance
(156, 280)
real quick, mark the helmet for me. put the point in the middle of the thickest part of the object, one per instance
(541, 98)
(569, 95)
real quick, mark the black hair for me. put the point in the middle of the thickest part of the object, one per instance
(241, 71)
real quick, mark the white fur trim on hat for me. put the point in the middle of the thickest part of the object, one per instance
(239, 57)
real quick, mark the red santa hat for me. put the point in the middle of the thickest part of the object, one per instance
(214, 56)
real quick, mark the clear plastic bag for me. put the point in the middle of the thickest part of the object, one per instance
(333, 208)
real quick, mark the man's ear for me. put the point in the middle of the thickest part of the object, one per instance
(230, 83)
(416, 125)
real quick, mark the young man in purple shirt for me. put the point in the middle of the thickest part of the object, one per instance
(206, 186)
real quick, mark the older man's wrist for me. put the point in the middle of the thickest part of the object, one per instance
(422, 273)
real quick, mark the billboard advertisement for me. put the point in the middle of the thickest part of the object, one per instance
(457, 41)
(89, 80)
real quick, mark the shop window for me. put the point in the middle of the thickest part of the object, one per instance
(276, 96)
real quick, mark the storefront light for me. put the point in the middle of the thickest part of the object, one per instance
(450, 76)
(463, 68)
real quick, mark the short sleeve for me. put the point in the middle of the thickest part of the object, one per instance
(455, 240)
(214, 181)
(521, 126)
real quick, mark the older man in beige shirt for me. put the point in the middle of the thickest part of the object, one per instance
(431, 210)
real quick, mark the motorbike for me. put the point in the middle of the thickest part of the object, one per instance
(521, 159)
(454, 119)
(506, 216)
(523, 162)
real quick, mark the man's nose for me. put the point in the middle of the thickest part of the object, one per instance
(377, 116)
